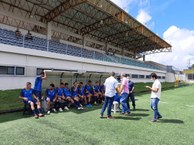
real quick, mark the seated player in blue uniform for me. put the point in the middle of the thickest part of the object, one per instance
(51, 96)
(28, 96)
(61, 98)
(38, 84)
(98, 93)
(82, 96)
(73, 99)
(89, 91)
(75, 95)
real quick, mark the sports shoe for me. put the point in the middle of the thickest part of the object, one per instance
(36, 116)
(110, 117)
(54, 110)
(159, 117)
(154, 120)
(81, 108)
(78, 108)
(41, 115)
(48, 112)
(112, 110)
(66, 108)
(101, 116)
(60, 110)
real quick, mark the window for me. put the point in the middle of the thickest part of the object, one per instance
(134, 76)
(164, 77)
(141, 76)
(159, 77)
(6, 70)
(147, 76)
(20, 70)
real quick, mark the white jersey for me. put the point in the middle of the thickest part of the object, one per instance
(157, 85)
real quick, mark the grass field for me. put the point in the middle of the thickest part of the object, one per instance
(9, 98)
(86, 128)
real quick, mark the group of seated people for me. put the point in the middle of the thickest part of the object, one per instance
(62, 97)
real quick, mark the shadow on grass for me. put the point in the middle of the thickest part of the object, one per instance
(86, 109)
(173, 121)
(139, 114)
(13, 116)
(142, 110)
(127, 118)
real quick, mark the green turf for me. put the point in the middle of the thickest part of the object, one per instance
(86, 128)
(9, 98)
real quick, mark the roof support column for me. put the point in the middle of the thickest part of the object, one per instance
(83, 41)
(122, 52)
(134, 56)
(106, 47)
(144, 58)
(49, 34)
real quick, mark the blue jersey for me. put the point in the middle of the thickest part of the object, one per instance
(51, 93)
(74, 91)
(67, 92)
(131, 85)
(38, 84)
(89, 89)
(97, 88)
(81, 90)
(27, 94)
(60, 92)
(102, 88)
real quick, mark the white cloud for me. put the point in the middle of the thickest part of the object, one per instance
(182, 41)
(124, 4)
(143, 3)
(143, 17)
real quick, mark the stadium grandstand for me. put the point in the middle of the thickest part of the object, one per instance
(73, 39)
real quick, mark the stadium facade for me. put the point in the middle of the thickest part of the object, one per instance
(76, 39)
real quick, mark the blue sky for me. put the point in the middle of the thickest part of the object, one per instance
(173, 20)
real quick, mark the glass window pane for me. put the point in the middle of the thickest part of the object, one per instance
(20, 71)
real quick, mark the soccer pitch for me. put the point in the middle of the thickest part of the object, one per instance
(86, 128)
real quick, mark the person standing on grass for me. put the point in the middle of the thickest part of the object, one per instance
(155, 96)
(131, 94)
(111, 85)
(124, 91)
(38, 84)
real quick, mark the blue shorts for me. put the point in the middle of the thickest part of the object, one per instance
(38, 94)
(73, 96)
(117, 98)
(29, 101)
(51, 98)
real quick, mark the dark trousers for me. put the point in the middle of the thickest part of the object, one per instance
(108, 102)
(132, 97)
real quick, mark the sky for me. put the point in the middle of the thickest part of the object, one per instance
(172, 20)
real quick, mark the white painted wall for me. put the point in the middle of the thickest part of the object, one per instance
(28, 58)
(170, 77)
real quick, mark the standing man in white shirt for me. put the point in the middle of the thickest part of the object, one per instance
(111, 85)
(155, 96)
